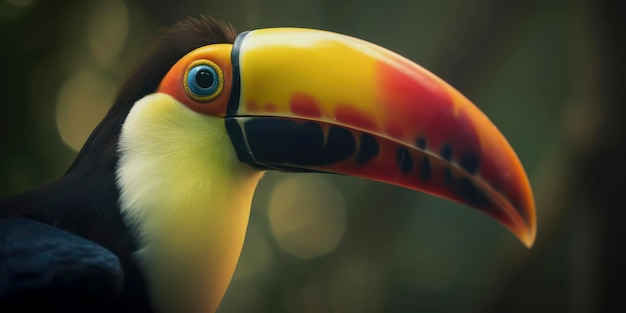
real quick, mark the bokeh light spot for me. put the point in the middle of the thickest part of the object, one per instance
(357, 285)
(20, 3)
(307, 216)
(82, 102)
(107, 30)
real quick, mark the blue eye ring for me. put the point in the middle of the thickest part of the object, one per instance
(203, 80)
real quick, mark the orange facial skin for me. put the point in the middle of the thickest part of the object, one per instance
(173, 82)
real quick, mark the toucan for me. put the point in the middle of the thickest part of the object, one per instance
(151, 216)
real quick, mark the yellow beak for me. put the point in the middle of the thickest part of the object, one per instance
(309, 100)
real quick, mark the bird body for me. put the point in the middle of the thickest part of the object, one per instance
(85, 201)
(166, 181)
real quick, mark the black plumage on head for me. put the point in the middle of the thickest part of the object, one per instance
(175, 42)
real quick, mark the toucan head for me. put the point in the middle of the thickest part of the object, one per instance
(308, 100)
(296, 100)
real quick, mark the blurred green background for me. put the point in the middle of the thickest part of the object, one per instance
(546, 72)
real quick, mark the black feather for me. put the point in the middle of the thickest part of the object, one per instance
(50, 265)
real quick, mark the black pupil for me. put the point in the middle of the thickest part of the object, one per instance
(204, 79)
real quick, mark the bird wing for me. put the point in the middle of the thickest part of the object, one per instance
(42, 266)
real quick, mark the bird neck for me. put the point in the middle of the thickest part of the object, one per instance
(188, 199)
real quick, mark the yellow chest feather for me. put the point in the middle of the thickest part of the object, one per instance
(188, 198)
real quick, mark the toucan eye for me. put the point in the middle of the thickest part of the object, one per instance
(203, 80)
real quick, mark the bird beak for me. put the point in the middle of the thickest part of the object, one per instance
(309, 100)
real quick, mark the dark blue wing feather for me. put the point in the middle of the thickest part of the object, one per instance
(43, 267)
